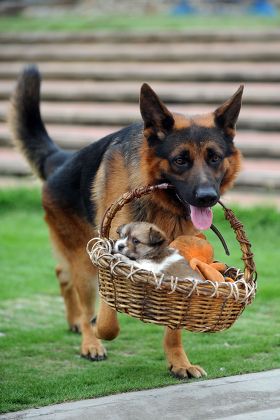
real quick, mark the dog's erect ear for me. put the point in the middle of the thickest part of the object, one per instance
(156, 237)
(227, 114)
(156, 116)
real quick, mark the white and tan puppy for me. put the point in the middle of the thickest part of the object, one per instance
(145, 246)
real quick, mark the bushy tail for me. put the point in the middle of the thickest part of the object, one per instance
(29, 132)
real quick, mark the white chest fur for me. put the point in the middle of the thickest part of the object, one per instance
(155, 267)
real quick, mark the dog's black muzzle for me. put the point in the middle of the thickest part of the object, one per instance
(201, 196)
(205, 196)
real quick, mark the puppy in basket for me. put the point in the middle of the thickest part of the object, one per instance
(145, 246)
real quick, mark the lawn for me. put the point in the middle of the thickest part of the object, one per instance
(40, 361)
(74, 22)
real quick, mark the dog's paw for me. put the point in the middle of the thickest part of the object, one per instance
(188, 371)
(94, 352)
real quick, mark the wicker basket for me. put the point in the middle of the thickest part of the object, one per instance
(196, 305)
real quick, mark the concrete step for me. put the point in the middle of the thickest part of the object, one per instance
(248, 197)
(143, 52)
(260, 173)
(256, 173)
(172, 92)
(218, 71)
(169, 36)
(121, 114)
(193, 71)
(251, 143)
(68, 137)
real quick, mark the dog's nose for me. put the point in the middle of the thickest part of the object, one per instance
(206, 196)
(120, 247)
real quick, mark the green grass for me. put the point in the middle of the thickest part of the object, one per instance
(40, 361)
(73, 22)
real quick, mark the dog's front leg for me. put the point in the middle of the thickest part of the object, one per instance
(107, 326)
(179, 364)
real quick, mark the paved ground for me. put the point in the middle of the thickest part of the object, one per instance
(254, 396)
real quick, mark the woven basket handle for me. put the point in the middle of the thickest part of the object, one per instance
(245, 246)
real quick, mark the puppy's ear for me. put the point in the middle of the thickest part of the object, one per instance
(156, 237)
(227, 114)
(120, 229)
(158, 120)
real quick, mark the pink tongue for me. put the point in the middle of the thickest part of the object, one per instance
(201, 217)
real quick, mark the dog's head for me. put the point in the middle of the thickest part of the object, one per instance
(140, 240)
(194, 154)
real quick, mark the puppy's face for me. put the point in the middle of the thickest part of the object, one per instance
(140, 240)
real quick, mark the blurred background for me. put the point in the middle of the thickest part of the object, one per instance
(94, 55)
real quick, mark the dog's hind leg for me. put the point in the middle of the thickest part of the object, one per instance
(179, 364)
(78, 283)
(77, 275)
(85, 283)
(71, 301)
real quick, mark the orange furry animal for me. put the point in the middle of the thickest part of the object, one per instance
(200, 255)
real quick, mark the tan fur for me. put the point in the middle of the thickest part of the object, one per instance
(232, 166)
(107, 326)
(177, 359)
(107, 190)
(70, 296)
(172, 227)
(181, 121)
(204, 120)
(76, 274)
(151, 166)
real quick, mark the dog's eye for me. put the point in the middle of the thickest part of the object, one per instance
(214, 159)
(135, 241)
(180, 160)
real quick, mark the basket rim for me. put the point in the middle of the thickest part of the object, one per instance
(100, 252)
(245, 246)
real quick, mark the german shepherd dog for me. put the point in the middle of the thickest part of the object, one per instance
(195, 154)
